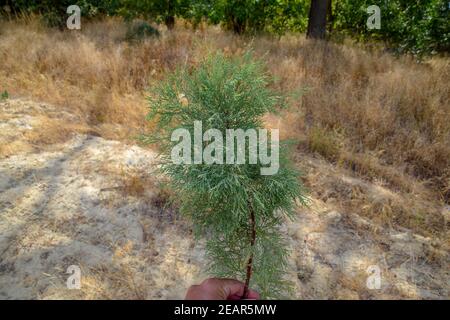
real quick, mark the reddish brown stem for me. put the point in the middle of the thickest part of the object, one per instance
(250, 259)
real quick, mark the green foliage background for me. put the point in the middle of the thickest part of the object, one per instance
(416, 26)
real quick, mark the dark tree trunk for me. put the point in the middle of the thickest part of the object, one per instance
(170, 22)
(330, 17)
(238, 25)
(317, 23)
(169, 19)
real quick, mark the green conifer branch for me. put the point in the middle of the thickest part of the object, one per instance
(235, 208)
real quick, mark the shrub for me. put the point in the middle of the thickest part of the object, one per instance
(324, 143)
(140, 30)
(4, 95)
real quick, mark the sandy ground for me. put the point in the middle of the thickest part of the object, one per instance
(78, 202)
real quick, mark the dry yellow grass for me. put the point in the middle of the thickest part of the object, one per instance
(385, 118)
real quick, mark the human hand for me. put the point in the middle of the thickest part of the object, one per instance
(219, 289)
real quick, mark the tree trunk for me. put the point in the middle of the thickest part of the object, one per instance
(169, 19)
(238, 25)
(317, 22)
(170, 22)
(330, 17)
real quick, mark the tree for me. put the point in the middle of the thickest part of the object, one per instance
(54, 12)
(418, 27)
(159, 10)
(241, 16)
(234, 206)
(317, 22)
(251, 16)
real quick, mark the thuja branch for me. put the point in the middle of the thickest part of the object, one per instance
(252, 244)
(228, 93)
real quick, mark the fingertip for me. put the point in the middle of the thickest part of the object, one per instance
(233, 287)
(234, 297)
(252, 294)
